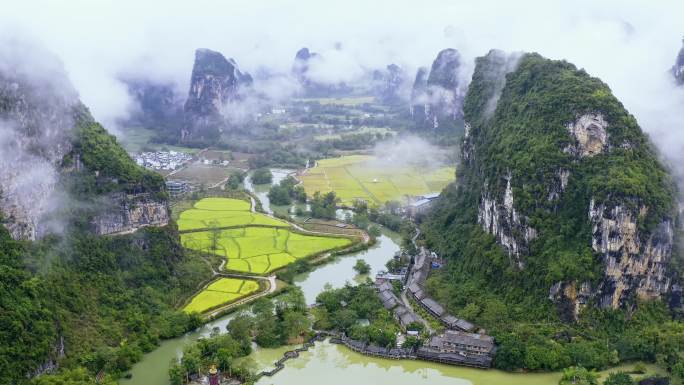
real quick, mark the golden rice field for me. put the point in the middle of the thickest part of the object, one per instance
(260, 250)
(220, 292)
(223, 212)
(246, 247)
(364, 177)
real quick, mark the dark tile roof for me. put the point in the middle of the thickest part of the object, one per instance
(433, 306)
(465, 325)
(462, 338)
(384, 286)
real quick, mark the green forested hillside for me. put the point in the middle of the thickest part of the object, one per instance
(110, 299)
(518, 133)
(106, 165)
(74, 303)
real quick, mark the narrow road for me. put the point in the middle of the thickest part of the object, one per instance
(422, 320)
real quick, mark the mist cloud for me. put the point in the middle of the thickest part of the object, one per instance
(628, 45)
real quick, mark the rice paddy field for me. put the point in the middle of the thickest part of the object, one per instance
(220, 292)
(223, 212)
(260, 250)
(364, 177)
(246, 247)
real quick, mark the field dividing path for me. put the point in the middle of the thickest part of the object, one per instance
(271, 289)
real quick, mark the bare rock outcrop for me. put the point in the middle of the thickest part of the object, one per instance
(591, 137)
(127, 213)
(215, 84)
(437, 96)
(633, 264)
(498, 216)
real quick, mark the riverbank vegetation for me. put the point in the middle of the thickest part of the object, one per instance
(358, 312)
(286, 192)
(270, 323)
(104, 300)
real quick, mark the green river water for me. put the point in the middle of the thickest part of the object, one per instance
(327, 363)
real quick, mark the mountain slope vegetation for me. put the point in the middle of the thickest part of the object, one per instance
(560, 228)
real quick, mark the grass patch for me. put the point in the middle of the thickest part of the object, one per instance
(221, 292)
(364, 177)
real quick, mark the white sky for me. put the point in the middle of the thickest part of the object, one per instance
(629, 44)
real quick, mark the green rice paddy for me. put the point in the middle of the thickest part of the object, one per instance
(223, 212)
(220, 292)
(246, 247)
(364, 177)
(260, 250)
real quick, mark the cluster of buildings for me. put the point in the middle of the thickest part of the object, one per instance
(422, 265)
(421, 204)
(391, 302)
(458, 345)
(162, 160)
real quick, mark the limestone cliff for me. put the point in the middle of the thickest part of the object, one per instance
(49, 142)
(390, 84)
(126, 213)
(216, 84)
(37, 117)
(563, 178)
(437, 100)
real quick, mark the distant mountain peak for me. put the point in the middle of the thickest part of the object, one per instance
(214, 84)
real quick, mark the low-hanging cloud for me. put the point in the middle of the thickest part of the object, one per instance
(615, 40)
(410, 151)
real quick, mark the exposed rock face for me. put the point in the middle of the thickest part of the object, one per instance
(40, 113)
(498, 217)
(391, 83)
(419, 107)
(634, 265)
(51, 364)
(37, 116)
(438, 99)
(126, 213)
(678, 68)
(579, 185)
(216, 82)
(590, 134)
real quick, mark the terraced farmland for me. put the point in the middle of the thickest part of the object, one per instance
(364, 177)
(223, 212)
(220, 292)
(260, 250)
(226, 227)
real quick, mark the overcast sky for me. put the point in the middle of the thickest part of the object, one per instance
(628, 44)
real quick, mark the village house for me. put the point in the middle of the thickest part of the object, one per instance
(453, 341)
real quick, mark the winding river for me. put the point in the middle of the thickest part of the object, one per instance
(332, 364)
